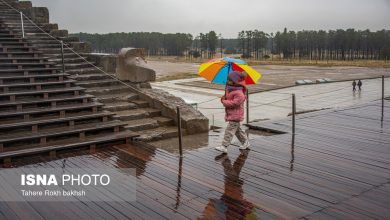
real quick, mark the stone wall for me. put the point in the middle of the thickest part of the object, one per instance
(106, 62)
(39, 15)
(192, 120)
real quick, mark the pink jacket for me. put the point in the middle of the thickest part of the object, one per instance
(234, 105)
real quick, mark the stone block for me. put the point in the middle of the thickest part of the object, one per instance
(39, 15)
(320, 81)
(307, 81)
(59, 33)
(21, 4)
(131, 66)
(49, 27)
(105, 61)
(192, 120)
(82, 47)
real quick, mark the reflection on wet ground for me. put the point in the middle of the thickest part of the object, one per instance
(336, 166)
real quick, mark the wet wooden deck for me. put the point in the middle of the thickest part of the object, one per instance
(337, 166)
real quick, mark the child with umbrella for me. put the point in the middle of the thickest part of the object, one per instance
(233, 101)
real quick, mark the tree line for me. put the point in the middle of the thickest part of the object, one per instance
(349, 44)
(156, 44)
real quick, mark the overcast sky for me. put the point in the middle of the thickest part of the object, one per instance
(227, 17)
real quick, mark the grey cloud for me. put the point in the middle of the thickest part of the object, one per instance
(226, 17)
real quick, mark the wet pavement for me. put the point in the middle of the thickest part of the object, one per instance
(336, 166)
(277, 104)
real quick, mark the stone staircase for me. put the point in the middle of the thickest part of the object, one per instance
(43, 109)
(136, 114)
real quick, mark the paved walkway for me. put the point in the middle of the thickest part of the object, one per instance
(335, 167)
(277, 103)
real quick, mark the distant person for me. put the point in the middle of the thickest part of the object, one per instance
(233, 101)
(354, 86)
(359, 84)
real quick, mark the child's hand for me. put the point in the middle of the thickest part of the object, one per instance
(223, 98)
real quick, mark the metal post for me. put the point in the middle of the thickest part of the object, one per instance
(293, 113)
(63, 58)
(21, 20)
(383, 95)
(247, 106)
(221, 48)
(179, 131)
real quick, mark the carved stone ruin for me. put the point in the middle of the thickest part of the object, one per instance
(131, 66)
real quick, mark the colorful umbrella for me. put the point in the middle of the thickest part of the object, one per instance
(217, 70)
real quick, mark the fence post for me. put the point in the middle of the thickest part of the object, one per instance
(63, 57)
(247, 106)
(179, 131)
(383, 96)
(293, 113)
(21, 20)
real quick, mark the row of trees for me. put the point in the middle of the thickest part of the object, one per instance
(319, 45)
(154, 43)
(338, 44)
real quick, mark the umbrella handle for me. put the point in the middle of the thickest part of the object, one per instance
(227, 77)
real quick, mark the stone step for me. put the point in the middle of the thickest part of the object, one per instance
(110, 98)
(14, 87)
(107, 90)
(28, 71)
(25, 60)
(99, 83)
(66, 56)
(90, 141)
(57, 101)
(37, 34)
(17, 28)
(71, 66)
(37, 112)
(11, 39)
(89, 77)
(35, 125)
(140, 103)
(82, 71)
(47, 45)
(47, 93)
(158, 133)
(68, 60)
(164, 121)
(141, 124)
(17, 49)
(7, 35)
(53, 50)
(44, 137)
(43, 41)
(119, 106)
(12, 44)
(138, 113)
(5, 31)
(31, 78)
(20, 54)
(26, 65)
